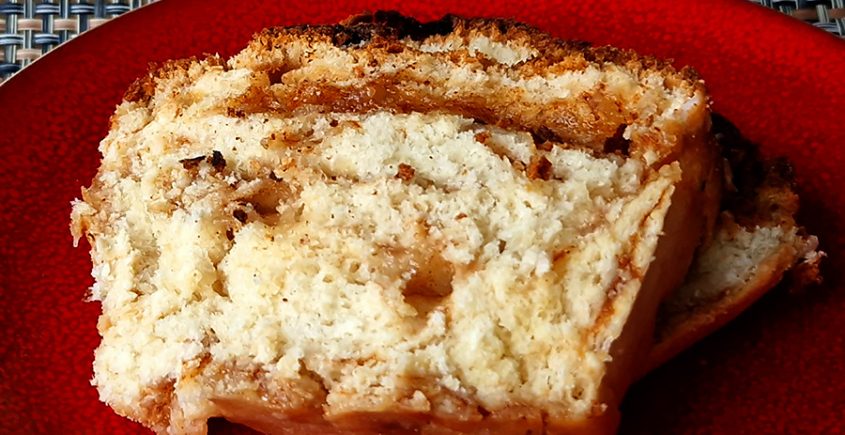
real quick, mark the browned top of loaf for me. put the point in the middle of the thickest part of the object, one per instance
(383, 29)
(593, 122)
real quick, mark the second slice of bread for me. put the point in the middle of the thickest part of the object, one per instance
(756, 241)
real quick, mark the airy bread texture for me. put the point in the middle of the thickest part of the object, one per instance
(464, 225)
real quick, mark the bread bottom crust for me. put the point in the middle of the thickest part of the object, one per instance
(261, 417)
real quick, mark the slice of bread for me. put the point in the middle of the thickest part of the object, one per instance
(756, 242)
(384, 226)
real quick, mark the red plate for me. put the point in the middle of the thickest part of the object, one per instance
(779, 368)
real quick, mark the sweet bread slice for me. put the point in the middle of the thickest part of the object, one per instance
(385, 225)
(756, 241)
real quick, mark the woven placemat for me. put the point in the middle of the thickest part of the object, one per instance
(29, 29)
(824, 14)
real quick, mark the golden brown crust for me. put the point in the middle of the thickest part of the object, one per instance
(450, 414)
(691, 218)
(144, 87)
(257, 415)
(382, 28)
(590, 120)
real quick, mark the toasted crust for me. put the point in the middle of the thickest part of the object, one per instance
(630, 136)
(590, 121)
(758, 215)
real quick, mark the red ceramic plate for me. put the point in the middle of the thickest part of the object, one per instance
(780, 368)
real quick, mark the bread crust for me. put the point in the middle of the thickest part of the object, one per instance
(688, 225)
(380, 36)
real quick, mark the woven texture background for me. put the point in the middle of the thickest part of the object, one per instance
(29, 29)
(825, 14)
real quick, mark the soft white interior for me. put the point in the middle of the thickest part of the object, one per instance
(732, 260)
